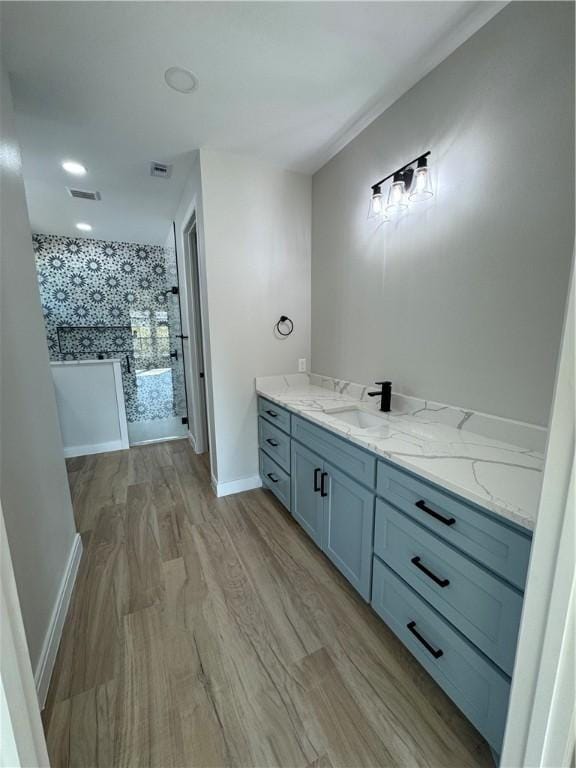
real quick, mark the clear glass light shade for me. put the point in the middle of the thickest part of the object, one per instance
(377, 208)
(397, 197)
(421, 187)
(376, 204)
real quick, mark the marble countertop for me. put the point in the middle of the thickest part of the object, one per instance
(503, 478)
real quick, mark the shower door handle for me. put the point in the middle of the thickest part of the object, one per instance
(174, 354)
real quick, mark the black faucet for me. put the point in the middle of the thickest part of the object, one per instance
(385, 394)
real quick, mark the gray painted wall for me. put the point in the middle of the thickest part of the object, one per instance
(33, 483)
(462, 300)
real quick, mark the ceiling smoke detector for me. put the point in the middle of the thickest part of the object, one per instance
(160, 170)
(84, 194)
(181, 80)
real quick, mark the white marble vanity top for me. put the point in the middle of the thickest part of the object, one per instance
(432, 440)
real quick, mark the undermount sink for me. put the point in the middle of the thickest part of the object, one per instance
(356, 417)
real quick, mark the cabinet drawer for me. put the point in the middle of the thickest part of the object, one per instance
(342, 454)
(497, 546)
(275, 443)
(483, 607)
(475, 685)
(274, 414)
(275, 479)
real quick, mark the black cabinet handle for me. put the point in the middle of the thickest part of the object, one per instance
(436, 652)
(441, 582)
(273, 443)
(272, 477)
(323, 491)
(446, 520)
(273, 414)
(316, 473)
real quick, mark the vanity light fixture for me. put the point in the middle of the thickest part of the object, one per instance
(409, 184)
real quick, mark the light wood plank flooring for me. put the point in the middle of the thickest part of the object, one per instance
(212, 632)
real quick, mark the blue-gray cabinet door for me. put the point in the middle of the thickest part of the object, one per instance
(348, 525)
(307, 504)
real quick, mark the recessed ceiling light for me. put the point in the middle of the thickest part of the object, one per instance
(181, 80)
(76, 169)
(83, 227)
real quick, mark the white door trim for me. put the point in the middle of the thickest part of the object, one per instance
(194, 314)
(22, 741)
(540, 727)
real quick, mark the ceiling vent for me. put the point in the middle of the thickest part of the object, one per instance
(83, 194)
(160, 170)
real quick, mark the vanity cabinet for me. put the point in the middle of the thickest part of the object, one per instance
(274, 454)
(347, 530)
(480, 605)
(445, 575)
(307, 503)
(336, 512)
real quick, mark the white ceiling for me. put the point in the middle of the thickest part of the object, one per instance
(288, 82)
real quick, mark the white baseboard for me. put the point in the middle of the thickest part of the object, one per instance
(85, 450)
(47, 658)
(157, 440)
(236, 486)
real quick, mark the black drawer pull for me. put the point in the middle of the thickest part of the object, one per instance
(323, 491)
(441, 582)
(273, 443)
(436, 652)
(446, 520)
(273, 414)
(316, 473)
(273, 477)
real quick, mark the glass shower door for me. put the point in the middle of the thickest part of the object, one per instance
(159, 393)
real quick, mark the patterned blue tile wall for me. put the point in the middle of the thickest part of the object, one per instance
(110, 299)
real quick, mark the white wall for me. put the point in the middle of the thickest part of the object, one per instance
(33, 483)
(90, 403)
(192, 205)
(256, 232)
(462, 300)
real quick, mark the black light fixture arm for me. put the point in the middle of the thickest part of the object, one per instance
(399, 170)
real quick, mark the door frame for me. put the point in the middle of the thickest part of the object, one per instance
(22, 741)
(196, 344)
(200, 399)
(541, 715)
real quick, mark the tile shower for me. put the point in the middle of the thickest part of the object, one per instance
(114, 299)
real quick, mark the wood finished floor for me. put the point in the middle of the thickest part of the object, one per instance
(212, 632)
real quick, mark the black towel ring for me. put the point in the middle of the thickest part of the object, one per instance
(284, 320)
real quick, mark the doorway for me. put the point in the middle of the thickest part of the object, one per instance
(159, 381)
(198, 410)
